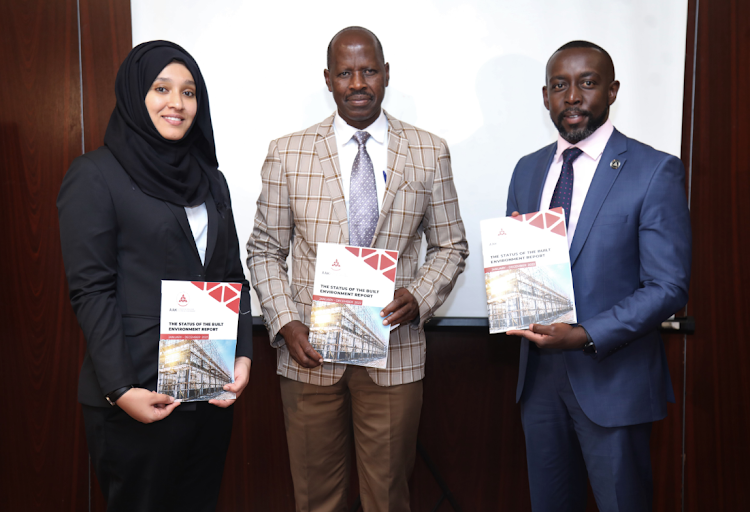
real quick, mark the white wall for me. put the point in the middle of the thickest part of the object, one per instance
(471, 72)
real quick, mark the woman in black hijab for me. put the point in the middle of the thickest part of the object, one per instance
(150, 205)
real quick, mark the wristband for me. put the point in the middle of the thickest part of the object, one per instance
(115, 395)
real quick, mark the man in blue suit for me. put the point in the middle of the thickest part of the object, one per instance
(589, 392)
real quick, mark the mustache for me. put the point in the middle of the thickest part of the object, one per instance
(360, 94)
(572, 111)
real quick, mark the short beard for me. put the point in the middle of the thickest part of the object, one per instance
(576, 136)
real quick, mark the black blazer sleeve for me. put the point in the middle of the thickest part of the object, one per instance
(88, 235)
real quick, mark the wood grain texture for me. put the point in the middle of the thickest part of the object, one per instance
(106, 39)
(44, 456)
(718, 382)
(39, 135)
(471, 425)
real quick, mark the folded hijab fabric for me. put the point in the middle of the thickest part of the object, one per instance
(183, 171)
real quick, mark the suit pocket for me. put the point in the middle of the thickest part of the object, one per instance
(137, 325)
(602, 220)
(142, 338)
(415, 186)
(409, 207)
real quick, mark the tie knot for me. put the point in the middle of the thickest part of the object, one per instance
(570, 154)
(361, 137)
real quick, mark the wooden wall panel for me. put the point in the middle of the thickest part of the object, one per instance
(471, 424)
(718, 382)
(44, 459)
(106, 39)
(43, 451)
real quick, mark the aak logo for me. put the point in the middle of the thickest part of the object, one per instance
(183, 300)
(336, 265)
(502, 232)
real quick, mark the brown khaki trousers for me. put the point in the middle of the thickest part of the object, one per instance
(319, 421)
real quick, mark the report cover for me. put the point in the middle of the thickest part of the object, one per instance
(198, 339)
(352, 286)
(527, 271)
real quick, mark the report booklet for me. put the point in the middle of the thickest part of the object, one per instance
(527, 271)
(198, 339)
(352, 286)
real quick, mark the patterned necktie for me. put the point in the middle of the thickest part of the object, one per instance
(363, 196)
(563, 193)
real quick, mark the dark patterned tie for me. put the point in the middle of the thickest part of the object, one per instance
(363, 196)
(563, 193)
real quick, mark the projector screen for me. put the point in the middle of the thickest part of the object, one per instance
(471, 72)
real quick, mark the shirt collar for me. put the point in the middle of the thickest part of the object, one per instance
(593, 145)
(378, 130)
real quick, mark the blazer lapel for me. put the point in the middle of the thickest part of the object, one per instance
(326, 149)
(538, 179)
(214, 223)
(181, 216)
(604, 178)
(398, 148)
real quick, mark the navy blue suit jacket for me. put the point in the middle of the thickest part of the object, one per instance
(630, 259)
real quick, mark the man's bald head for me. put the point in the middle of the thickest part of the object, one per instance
(356, 29)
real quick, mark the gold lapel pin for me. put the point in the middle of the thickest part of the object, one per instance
(615, 164)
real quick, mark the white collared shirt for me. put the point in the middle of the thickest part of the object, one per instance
(198, 220)
(377, 148)
(584, 168)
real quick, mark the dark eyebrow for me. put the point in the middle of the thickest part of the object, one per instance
(165, 79)
(589, 74)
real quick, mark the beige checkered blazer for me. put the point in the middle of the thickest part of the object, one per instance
(302, 202)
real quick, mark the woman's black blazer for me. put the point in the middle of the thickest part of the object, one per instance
(118, 244)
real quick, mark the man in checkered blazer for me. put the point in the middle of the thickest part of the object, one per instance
(304, 200)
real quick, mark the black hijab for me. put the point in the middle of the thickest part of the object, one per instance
(183, 171)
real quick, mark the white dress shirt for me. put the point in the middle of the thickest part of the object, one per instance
(584, 168)
(377, 148)
(198, 220)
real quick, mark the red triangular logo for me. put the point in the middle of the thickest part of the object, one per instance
(550, 219)
(372, 261)
(559, 229)
(390, 274)
(234, 305)
(537, 222)
(216, 293)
